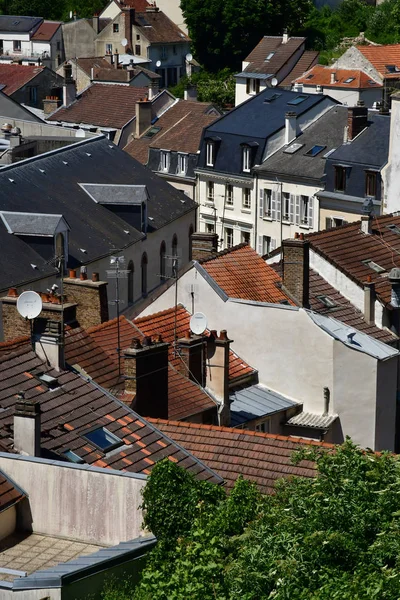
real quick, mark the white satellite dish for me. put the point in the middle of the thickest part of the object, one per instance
(198, 323)
(274, 82)
(189, 57)
(80, 133)
(124, 42)
(29, 305)
(158, 63)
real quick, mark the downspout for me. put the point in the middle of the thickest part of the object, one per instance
(256, 215)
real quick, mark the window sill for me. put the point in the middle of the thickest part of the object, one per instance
(304, 226)
(267, 218)
(209, 203)
(229, 207)
(246, 210)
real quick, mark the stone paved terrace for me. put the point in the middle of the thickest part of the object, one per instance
(33, 552)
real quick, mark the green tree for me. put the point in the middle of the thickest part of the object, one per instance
(216, 88)
(47, 9)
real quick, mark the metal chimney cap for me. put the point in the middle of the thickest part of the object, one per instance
(394, 275)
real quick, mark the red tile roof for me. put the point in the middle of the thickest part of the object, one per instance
(181, 127)
(260, 457)
(305, 62)
(347, 247)
(158, 28)
(380, 56)
(87, 64)
(14, 77)
(78, 405)
(46, 31)
(9, 494)
(104, 105)
(320, 75)
(139, 5)
(282, 53)
(241, 273)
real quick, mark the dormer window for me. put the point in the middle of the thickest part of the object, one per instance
(164, 160)
(210, 156)
(182, 164)
(246, 159)
(252, 86)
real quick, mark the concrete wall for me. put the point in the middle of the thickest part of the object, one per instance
(391, 172)
(296, 358)
(354, 59)
(79, 39)
(241, 89)
(8, 521)
(93, 505)
(44, 83)
(348, 96)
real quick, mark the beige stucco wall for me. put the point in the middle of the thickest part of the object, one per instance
(325, 213)
(8, 520)
(391, 172)
(92, 505)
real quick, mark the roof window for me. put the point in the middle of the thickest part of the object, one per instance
(103, 439)
(394, 228)
(315, 150)
(270, 55)
(349, 80)
(151, 132)
(272, 98)
(50, 382)
(329, 152)
(298, 100)
(392, 68)
(293, 148)
(373, 265)
(327, 301)
(72, 457)
(310, 76)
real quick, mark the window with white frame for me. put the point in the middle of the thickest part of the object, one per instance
(17, 45)
(246, 200)
(228, 237)
(210, 191)
(304, 210)
(164, 160)
(108, 48)
(210, 154)
(252, 85)
(265, 244)
(246, 159)
(245, 237)
(229, 194)
(182, 164)
(210, 228)
(267, 202)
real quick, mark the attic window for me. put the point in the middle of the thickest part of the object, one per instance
(293, 148)
(394, 228)
(50, 382)
(392, 68)
(327, 301)
(315, 150)
(298, 100)
(72, 457)
(310, 76)
(103, 439)
(152, 131)
(373, 265)
(272, 98)
(349, 80)
(270, 55)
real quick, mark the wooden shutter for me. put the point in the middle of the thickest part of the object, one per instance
(260, 245)
(261, 205)
(291, 208)
(328, 223)
(297, 211)
(310, 211)
(273, 206)
(273, 244)
(278, 206)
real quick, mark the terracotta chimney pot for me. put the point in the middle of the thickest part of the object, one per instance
(72, 273)
(83, 276)
(12, 292)
(223, 335)
(95, 277)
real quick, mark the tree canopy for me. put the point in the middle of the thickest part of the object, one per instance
(332, 537)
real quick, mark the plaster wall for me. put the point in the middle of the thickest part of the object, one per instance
(101, 506)
(391, 172)
(43, 594)
(8, 521)
(240, 89)
(348, 96)
(79, 39)
(82, 80)
(110, 11)
(354, 59)
(172, 8)
(39, 129)
(326, 213)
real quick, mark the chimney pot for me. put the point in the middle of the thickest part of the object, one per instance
(188, 334)
(83, 276)
(12, 292)
(333, 77)
(72, 273)
(135, 344)
(146, 341)
(296, 235)
(223, 335)
(95, 277)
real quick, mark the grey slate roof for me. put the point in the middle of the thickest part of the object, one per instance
(19, 24)
(256, 401)
(116, 194)
(30, 223)
(326, 131)
(49, 183)
(306, 419)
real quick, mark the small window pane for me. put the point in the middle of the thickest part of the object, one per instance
(297, 100)
(315, 150)
(103, 439)
(72, 457)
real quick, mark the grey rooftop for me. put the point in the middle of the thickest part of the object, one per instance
(256, 401)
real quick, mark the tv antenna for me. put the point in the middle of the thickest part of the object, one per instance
(175, 258)
(117, 272)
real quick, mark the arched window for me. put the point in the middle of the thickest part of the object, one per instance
(131, 276)
(144, 274)
(190, 241)
(162, 261)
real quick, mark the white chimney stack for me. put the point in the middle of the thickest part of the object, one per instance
(27, 427)
(366, 224)
(218, 374)
(290, 127)
(333, 77)
(285, 37)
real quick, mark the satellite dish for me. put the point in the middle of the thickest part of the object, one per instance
(198, 323)
(80, 133)
(274, 82)
(124, 42)
(158, 63)
(29, 305)
(189, 57)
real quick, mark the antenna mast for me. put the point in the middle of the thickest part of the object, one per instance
(116, 262)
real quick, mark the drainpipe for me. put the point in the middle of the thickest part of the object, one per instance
(256, 215)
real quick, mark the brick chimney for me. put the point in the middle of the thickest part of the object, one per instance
(27, 427)
(90, 297)
(357, 119)
(69, 89)
(204, 245)
(143, 117)
(218, 373)
(192, 351)
(146, 372)
(129, 14)
(296, 269)
(50, 104)
(369, 302)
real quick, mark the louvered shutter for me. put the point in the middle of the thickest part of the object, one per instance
(278, 206)
(291, 208)
(273, 244)
(260, 245)
(297, 211)
(273, 206)
(311, 212)
(328, 223)
(261, 205)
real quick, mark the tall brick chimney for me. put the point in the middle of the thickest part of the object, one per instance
(218, 373)
(204, 245)
(192, 351)
(69, 89)
(357, 119)
(146, 372)
(90, 297)
(129, 15)
(27, 427)
(296, 269)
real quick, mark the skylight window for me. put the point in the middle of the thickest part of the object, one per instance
(298, 100)
(329, 152)
(72, 457)
(315, 150)
(310, 76)
(394, 228)
(103, 439)
(152, 131)
(270, 55)
(327, 301)
(50, 382)
(349, 80)
(293, 148)
(392, 68)
(373, 265)
(272, 98)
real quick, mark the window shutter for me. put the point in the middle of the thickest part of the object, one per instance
(291, 208)
(260, 245)
(311, 211)
(328, 223)
(273, 244)
(261, 206)
(247, 86)
(297, 212)
(345, 222)
(278, 206)
(273, 206)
